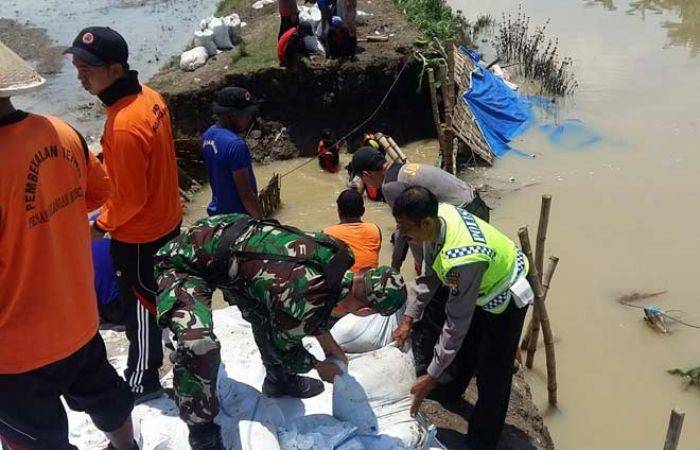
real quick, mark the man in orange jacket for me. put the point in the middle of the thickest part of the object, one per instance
(49, 344)
(144, 211)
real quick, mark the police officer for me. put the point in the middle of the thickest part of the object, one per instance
(483, 315)
(284, 281)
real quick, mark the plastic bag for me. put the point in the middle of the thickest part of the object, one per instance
(314, 432)
(205, 39)
(221, 34)
(193, 59)
(375, 396)
(357, 334)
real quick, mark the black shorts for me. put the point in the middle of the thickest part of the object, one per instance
(32, 415)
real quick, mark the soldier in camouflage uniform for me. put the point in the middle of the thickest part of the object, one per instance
(284, 281)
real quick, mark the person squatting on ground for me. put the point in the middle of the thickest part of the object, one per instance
(285, 282)
(49, 343)
(290, 45)
(234, 189)
(144, 210)
(483, 315)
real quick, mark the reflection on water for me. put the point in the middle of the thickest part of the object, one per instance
(685, 33)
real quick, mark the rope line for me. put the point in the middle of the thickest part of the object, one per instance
(362, 124)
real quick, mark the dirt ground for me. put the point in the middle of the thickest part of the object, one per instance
(524, 429)
(33, 44)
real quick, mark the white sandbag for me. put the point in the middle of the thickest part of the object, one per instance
(193, 59)
(313, 45)
(310, 15)
(221, 36)
(375, 396)
(314, 432)
(205, 38)
(357, 334)
(256, 435)
(233, 22)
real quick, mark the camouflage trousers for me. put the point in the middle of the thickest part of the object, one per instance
(198, 357)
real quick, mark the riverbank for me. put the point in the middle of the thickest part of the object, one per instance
(299, 103)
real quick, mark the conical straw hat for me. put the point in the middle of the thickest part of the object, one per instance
(16, 76)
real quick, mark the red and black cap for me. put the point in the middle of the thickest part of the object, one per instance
(99, 46)
(235, 101)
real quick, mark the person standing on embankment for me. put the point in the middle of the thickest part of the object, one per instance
(483, 315)
(49, 343)
(234, 189)
(144, 210)
(289, 16)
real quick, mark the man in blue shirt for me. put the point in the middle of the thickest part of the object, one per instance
(227, 157)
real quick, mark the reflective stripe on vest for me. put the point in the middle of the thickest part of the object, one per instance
(468, 239)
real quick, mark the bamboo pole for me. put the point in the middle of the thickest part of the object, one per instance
(536, 283)
(434, 105)
(545, 207)
(534, 326)
(673, 434)
(450, 100)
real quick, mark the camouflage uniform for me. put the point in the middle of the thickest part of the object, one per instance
(283, 300)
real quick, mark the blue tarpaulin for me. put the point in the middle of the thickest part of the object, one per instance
(500, 112)
(571, 134)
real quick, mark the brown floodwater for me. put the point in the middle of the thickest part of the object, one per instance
(624, 215)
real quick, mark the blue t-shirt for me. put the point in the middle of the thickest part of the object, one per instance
(106, 284)
(224, 153)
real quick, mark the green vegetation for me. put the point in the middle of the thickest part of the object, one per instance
(227, 7)
(257, 53)
(692, 374)
(432, 17)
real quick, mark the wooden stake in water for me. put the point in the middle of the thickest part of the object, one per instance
(533, 330)
(434, 105)
(533, 277)
(673, 434)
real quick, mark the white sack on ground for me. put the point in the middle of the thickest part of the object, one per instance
(250, 421)
(363, 334)
(221, 34)
(375, 395)
(193, 59)
(233, 22)
(205, 38)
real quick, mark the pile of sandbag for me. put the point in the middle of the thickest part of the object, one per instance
(214, 34)
(367, 408)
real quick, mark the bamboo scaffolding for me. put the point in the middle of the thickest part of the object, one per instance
(535, 281)
(270, 196)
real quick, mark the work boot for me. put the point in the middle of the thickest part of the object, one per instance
(293, 386)
(206, 436)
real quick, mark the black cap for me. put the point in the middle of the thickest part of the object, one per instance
(366, 159)
(98, 46)
(235, 101)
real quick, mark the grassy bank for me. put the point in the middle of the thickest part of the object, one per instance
(432, 17)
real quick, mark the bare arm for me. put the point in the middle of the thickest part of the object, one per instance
(246, 193)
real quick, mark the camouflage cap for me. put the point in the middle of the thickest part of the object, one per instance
(385, 289)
